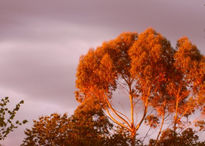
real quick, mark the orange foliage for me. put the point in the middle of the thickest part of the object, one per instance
(150, 69)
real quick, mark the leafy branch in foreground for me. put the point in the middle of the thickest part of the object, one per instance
(7, 122)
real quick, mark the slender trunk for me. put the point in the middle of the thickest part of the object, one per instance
(133, 135)
(160, 130)
(146, 135)
(175, 117)
(162, 123)
(175, 120)
(145, 112)
(131, 110)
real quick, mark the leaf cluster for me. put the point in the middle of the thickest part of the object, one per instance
(187, 137)
(7, 121)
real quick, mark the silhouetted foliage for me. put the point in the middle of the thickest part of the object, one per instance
(187, 137)
(7, 121)
(121, 137)
(88, 126)
(49, 130)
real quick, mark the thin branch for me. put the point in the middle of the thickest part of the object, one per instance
(115, 112)
(143, 117)
(125, 79)
(136, 101)
(145, 110)
(123, 86)
(114, 120)
(162, 123)
(146, 135)
(123, 115)
(183, 113)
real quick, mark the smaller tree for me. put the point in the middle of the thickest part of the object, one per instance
(188, 137)
(87, 126)
(7, 122)
(49, 130)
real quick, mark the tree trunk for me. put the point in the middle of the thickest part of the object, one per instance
(175, 120)
(133, 138)
(160, 130)
(162, 123)
(133, 133)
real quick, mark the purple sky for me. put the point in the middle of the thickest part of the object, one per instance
(41, 42)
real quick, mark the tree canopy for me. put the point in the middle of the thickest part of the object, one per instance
(154, 74)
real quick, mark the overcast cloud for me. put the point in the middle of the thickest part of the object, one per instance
(41, 42)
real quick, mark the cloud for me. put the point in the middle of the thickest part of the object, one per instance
(45, 68)
(38, 65)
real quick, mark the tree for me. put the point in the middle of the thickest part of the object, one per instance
(155, 76)
(187, 137)
(187, 87)
(90, 125)
(86, 127)
(49, 130)
(7, 121)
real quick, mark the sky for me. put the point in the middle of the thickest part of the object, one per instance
(41, 42)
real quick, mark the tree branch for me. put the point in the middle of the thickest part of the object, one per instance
(115, 112)
(114, 120)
